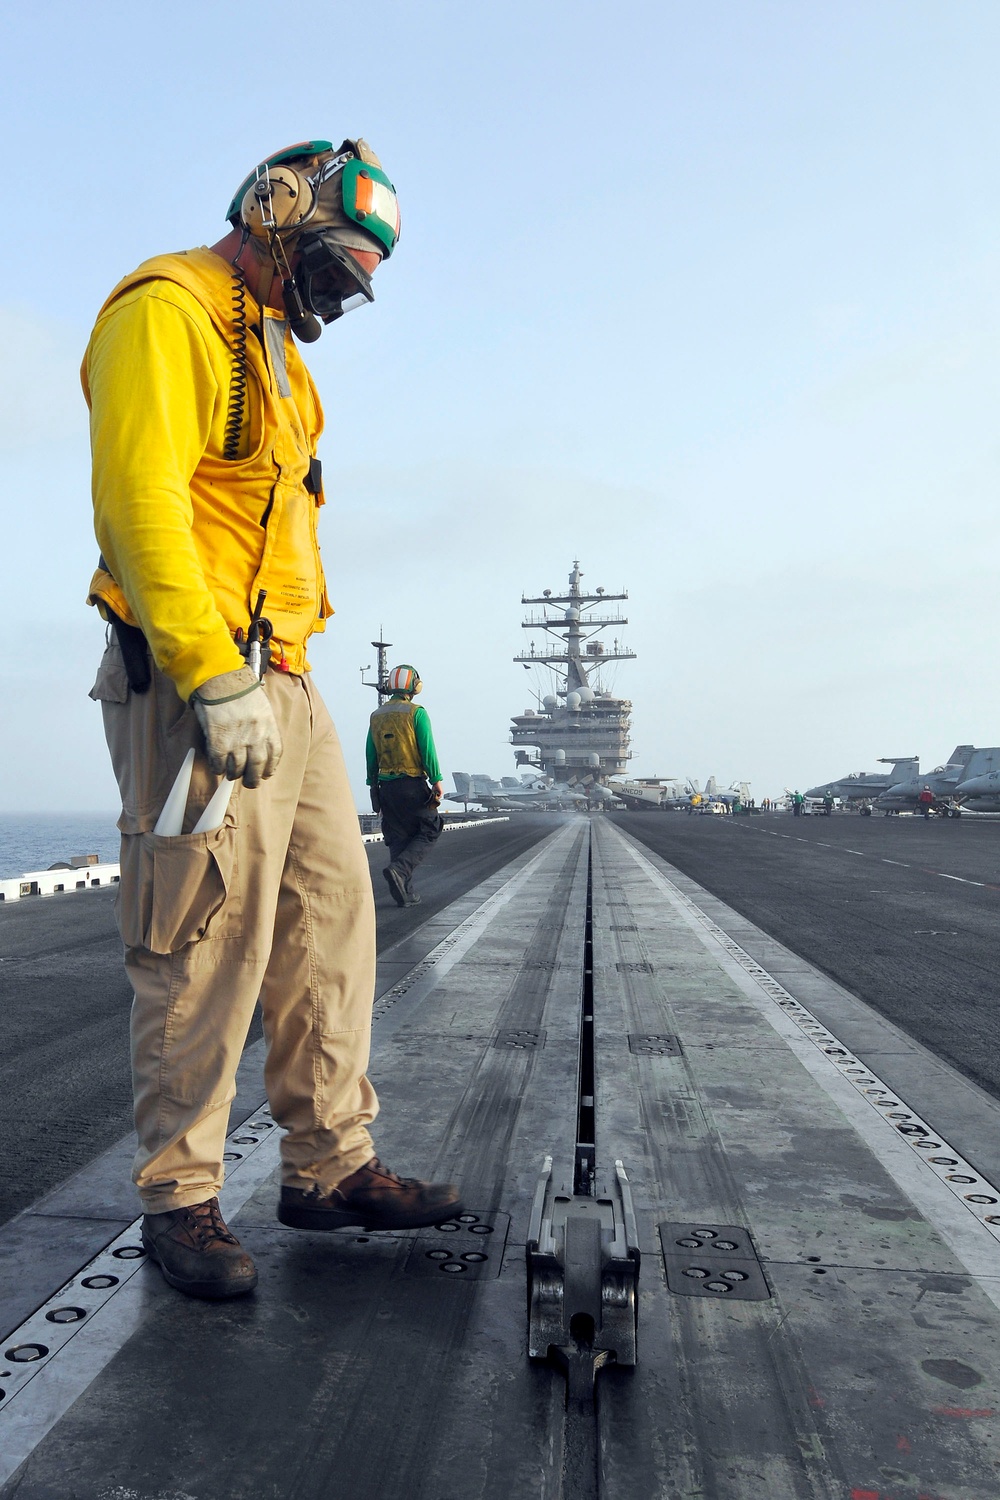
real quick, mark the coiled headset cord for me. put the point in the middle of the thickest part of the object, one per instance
(238, 382)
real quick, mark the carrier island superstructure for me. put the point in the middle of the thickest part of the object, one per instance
(579, 734)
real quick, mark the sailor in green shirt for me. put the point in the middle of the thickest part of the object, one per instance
(402, 761)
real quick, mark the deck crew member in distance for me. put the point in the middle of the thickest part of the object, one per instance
(404, 778)
(207, 493)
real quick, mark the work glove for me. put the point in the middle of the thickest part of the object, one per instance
(376, 799)
(241, 736)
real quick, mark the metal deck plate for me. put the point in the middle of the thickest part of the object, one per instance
(469, 1248)
(519, 1037)
(712, 1260)
(655, 1044)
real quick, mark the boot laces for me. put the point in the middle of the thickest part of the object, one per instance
(379, 1170)
(207, 1224)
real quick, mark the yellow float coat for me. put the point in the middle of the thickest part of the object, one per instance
(190, 537)
(393, 739)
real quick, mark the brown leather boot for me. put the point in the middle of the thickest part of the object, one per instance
(373, 1197)
(197, 1253)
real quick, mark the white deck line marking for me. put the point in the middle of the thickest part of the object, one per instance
(39, 1392)
(864, 854)
(933, 1183)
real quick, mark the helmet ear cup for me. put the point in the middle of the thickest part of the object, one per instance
(281, 198)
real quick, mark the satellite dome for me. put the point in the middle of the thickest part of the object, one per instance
(593, 759)
(587, 695)
(550, 702)
(572, 613)
(573, 702)
(559, 757)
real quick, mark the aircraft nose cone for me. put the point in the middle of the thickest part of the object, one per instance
(976, 786)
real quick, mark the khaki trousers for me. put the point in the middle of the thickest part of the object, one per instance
(276, 905)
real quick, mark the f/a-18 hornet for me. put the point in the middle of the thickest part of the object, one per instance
(865, 786)
(949, 783)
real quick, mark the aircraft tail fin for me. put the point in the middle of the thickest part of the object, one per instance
(903, 769)
(982, 762)
(960, 757)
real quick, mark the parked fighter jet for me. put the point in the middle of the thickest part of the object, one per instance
(738, 792)
(980, 793)
(966, 764)
(865, 786)
(509, 794)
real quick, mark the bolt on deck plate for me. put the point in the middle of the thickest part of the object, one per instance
(469, 1248)
(520, 1038)
(636, 966)
(654, 1045)
(712, 1260)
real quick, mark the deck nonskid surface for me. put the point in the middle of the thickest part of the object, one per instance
(870, 1366)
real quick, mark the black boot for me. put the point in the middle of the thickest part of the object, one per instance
(396, 884)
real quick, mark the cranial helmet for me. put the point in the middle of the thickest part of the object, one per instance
(319, 203)
(404, 679)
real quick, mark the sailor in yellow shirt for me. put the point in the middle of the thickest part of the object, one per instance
(207, 493)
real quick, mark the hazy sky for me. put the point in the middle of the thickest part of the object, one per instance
(707, 296)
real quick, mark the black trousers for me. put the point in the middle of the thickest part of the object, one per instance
(410, 823)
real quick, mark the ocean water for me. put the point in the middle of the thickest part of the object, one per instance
(33, 841)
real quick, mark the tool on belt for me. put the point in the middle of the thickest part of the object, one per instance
(257, 636)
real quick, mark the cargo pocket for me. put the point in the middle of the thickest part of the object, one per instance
(431, 823)
(176, 891)
(111, 682)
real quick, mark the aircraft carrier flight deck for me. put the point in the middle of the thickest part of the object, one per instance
(723, 1095)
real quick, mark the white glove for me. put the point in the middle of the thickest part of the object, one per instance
(241, 735)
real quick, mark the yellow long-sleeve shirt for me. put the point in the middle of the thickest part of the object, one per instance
(188, 536)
